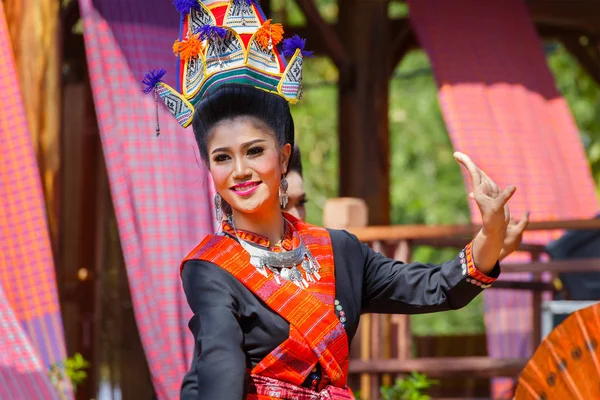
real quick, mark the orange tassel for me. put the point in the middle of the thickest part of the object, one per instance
(189, 48)
(267, 31)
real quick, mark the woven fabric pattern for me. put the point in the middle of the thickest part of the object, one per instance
(31, 333)
(159, 186)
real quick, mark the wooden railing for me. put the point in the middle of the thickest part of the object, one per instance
(382, 348)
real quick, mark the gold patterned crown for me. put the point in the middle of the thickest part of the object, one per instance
(228, 42)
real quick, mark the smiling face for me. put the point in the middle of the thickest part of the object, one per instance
(246, 164)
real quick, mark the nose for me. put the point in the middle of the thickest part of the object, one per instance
(240, 169)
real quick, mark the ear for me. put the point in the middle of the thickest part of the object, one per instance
(286, 152)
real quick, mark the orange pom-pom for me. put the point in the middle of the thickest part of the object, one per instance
(269, 31)
(189, 48)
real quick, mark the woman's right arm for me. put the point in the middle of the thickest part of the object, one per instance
(220, 363)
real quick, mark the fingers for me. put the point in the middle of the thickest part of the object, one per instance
(506, 194)
(523, 222)
(507, 216)
(470, 166)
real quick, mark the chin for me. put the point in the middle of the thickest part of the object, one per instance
(249, 206)
(252, 205)
(247, 209)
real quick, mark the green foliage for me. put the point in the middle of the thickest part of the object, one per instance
(74, 369)
(316, 134)
(412, 387)
(582, 94)
(426, 184)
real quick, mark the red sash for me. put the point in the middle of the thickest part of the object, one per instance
(316, 334)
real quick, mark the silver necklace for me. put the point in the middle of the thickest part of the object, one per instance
(284, 265)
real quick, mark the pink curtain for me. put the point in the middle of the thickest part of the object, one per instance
(31, 334)
(159, 187)
(501, 107)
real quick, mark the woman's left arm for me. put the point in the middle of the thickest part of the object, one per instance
(394, 287)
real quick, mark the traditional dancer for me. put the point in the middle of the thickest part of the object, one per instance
(277, 301)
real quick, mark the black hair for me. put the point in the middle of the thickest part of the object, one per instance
(295, 163)
(237, 100)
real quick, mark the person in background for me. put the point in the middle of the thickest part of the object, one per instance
(296, 195)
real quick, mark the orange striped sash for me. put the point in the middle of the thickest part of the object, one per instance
(316, 335)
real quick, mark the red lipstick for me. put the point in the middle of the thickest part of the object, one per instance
(246, 188)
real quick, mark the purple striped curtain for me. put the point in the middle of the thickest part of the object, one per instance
(159, 187)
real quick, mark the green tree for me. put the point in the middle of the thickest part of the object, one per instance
(582, 94)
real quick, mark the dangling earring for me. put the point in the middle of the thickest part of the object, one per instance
(283, 195)
(218, 208)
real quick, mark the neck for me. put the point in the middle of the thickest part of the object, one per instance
(268, 224)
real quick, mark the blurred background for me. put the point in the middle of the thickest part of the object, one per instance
(117, 208)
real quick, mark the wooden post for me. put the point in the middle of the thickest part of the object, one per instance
(34, 31)
(345, 213)
(402, 322)
(536, 314)
(364, 28)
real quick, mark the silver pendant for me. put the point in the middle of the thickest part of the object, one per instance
(283, 265)
(312, 275)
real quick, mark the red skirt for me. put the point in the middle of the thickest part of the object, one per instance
(263, 388)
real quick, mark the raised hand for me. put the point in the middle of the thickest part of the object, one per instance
(492, 202)
(514, 235)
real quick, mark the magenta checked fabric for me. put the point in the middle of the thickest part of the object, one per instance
(159, 187)
(31, 332)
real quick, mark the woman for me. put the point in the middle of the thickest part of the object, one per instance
(296, 204)
(276, 301)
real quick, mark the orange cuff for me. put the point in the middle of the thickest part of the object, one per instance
(474, 276)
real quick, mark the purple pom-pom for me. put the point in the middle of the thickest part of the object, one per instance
(152, 78)
(210, 32)
(185, 6)
(294, 43)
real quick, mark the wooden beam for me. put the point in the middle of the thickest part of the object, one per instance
(532, 286)
(444, 366)
(316, 43)
(557, 266)
(587, 56)
(460, 242)
(407, 232)
(327, 33)
(581, 15)
(402, 41)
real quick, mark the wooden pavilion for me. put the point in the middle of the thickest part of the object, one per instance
(97, 311)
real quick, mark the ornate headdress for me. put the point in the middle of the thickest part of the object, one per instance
(227, 41)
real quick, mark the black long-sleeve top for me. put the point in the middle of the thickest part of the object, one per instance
(234, 330)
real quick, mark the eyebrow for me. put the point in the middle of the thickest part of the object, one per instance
(244, 145)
